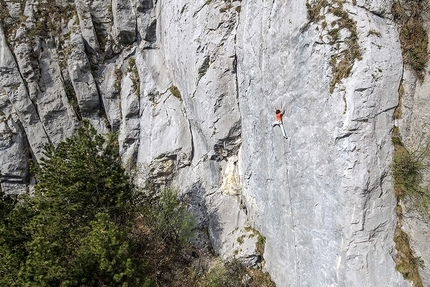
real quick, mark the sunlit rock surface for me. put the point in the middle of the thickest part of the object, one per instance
(189, 88)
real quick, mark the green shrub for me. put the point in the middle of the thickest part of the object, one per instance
(74, 230)
(86, 225)
(406, 172)
(407, 169)
(233, 274)
(169, 217)
(220, 276)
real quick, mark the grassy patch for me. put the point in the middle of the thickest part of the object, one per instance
(315, 13)
(342, 62)
(261, 240)
(48, 18)
(406, 262)
(240, 239)
(118, 79)
(132, 69)
(398, 111)
(407, 171)
(413, 36)
(175, 92)
(71, 97)
(230, 274)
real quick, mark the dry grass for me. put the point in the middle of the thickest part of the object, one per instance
(175, 92)
(261, 240)
(315, 10)
(398, 111)
(342, 62)
(406, 262)
(132, 69)
(409, 16)
(406, 170)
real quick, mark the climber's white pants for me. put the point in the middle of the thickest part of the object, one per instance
(281, 125)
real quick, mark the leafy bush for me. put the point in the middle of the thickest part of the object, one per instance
(233, 274)
(165, 228)
(168, 217)
(175, 92)
(219, 276)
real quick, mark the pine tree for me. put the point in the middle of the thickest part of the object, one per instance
(75, 229)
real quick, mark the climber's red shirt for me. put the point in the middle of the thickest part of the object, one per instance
(279, 117)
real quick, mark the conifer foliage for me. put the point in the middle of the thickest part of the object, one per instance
(75, 229)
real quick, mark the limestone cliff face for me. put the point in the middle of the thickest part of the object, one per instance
(414, 129)
(190, 88)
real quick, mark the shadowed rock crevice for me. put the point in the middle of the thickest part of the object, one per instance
(194, 197)
(151, 32)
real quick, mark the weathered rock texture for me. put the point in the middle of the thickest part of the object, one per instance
(414, 129)
(326, 190)
(190, 86)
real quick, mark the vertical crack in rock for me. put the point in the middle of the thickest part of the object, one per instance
(145, 5)
(192, 139)
(87, 26)
(14, 87)
(203, 68)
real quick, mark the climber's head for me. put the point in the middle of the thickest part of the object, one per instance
(277, 111)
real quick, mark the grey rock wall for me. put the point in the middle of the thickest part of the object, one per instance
(326, 191)
(190, 88)
(19, 122)
(414, 129)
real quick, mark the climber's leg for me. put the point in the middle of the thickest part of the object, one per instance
(281, 125)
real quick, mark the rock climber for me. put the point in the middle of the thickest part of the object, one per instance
(279, 114)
